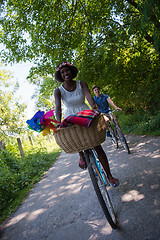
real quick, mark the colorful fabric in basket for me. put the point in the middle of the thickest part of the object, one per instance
(42, 121)
(83, 118)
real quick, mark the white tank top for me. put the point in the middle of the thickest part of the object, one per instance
(73, 101)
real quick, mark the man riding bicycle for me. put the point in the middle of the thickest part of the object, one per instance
(103, 101)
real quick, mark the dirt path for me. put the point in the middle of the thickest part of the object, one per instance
(63, 206)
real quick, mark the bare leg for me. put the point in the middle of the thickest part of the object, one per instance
(104, 161)
(107, 120)
(82, 161)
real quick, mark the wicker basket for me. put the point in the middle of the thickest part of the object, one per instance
(76, 138)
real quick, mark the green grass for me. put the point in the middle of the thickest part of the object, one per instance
(18, 175)
(140, 123)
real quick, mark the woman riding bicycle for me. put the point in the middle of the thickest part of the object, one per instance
(72, 93)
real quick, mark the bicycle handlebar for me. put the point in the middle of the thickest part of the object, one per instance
(116, 110)
(112, 111)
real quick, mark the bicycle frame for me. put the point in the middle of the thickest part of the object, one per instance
(97, 165)
(117, 134)
(111, 116)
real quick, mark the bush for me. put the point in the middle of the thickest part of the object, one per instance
(7, 185)
(142, 122)
(18, 174)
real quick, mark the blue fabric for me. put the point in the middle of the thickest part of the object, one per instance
(102, 103)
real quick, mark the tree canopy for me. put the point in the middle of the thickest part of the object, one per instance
(115, 44)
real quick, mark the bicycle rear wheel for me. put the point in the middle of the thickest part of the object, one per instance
(100, 189)
(122, 139)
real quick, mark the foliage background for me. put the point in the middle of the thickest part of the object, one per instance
(115, 44)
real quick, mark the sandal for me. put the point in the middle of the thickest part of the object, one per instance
(112, 182)
(82, 165)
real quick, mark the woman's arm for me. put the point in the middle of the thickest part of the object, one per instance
(57, 96)
(88, 95)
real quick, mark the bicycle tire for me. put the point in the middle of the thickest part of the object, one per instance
(113, 135)
(112, 221)
(122, 139)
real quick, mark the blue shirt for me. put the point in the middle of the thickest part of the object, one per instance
(102, 103)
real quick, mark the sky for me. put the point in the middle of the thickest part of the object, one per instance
(20, 71)
(26, 90)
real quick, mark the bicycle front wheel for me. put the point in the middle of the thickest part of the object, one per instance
(122, 139)
(113, 135)
(101, 191)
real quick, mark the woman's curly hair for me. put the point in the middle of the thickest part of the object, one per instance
(73, 69)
